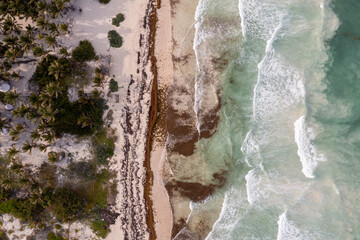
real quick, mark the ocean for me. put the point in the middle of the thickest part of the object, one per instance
(288, 135)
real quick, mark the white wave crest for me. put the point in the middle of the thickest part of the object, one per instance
(253, 185)
(287, 230)
(309, 157)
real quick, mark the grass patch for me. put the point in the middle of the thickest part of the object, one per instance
(115, 39)
(103, 147)
(118, 19)
(100, 228)
(53, 236)
(66, 204)
(113, 85)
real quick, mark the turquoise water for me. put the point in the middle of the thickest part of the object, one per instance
(289, 133)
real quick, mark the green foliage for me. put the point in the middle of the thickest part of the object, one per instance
(2, 97)
(47, 174)
(118, 19)
(22, 209)
(113, 85)
(99, 78)
(4, 194)
(58, 226)
(42, 76)
(84, 52)
(100, 228)
(97, 193)
(53, 236)
(103, 147)
(38, 51)
(104, 1)
(115, 39)
(67, 120)
(3, 235)
(83, 169)
(66, 205)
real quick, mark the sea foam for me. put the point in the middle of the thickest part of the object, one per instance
(304, 137)
(287, 230)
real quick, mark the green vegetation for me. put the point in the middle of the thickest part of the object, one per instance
(66, 205)
(45, 112)
(115, 39)
(51, 69)
(104, 1)
(103, 147)
(82, 117)
(118, 19)
(22, 209)
(100, 228)
(53, 236)
(113, 85)
(84, 52)
(58, 226)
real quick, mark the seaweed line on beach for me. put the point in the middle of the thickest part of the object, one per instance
(141, 100)
(153, 111)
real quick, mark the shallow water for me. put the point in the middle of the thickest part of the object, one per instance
(289, 133)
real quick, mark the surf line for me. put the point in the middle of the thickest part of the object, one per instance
(153, 6)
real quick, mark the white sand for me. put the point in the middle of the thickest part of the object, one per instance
(163, 52)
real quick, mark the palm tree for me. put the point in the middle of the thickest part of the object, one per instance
(12, 96)
(21, 111)
(39, 51)
(11, 41)
(35, 135)
(45, 99)
(13, 152)
(57, 69)
(95, 94)
(53, 157)
(33, 115)
(27, 42)
(35, 186)
(36, 197)
(85, 121)
(61, 5)
(42, 23)
(24, 182)
(41, 7)
(30, 29)
(7, 182)
(10, 25)
(64, 28)
(34, 100)
(43, 147)
(17, 167)
(49, 137)
(27, 147)
(51, 41)
(48, 114)
(53, 28)
(13, 53)
(15, 132)
(4, 123)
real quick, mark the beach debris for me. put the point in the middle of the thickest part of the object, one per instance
(4, 87)
(9, 107)
(4, 131)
